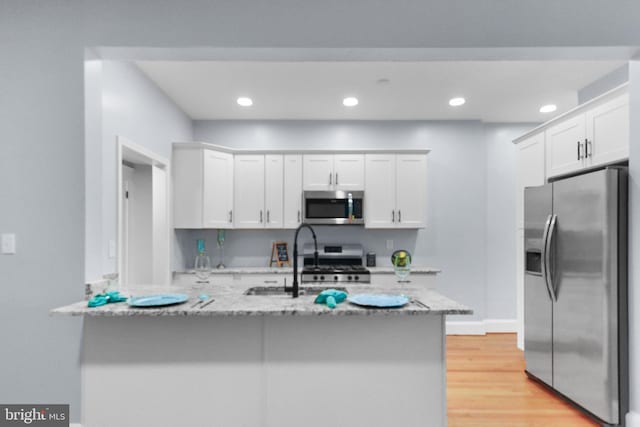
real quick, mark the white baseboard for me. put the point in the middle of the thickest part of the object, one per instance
(632, 419)
(75, 425)
(482, 327)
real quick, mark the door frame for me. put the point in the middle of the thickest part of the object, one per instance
(128, 150)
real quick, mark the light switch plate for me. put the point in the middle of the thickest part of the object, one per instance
(389, 244)
(8, 243)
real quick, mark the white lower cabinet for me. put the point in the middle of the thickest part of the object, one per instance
(395, 190)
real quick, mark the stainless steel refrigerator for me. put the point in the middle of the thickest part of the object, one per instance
(575, 290)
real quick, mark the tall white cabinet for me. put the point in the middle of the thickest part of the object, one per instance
(333, 172)
(395, 190)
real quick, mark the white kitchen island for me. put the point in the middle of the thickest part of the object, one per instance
(270, 361)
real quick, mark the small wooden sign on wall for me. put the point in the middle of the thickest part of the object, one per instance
(280, 254)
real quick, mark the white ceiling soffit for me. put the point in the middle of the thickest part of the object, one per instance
(496, 91)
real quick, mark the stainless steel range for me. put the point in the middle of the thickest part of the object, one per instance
(336, 263)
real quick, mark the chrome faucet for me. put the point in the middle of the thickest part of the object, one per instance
(294, 287)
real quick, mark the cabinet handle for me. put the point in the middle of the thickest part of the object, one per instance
(399, 216)
(268, 216)
(298, 215)
(260, 216)
(231, 216)
(393, 216)
(588, 148)
(330, 178)
(578, 150)
(336, 178)
(270, 281)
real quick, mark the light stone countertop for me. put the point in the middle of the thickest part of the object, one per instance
(231, 301)
(289, 270)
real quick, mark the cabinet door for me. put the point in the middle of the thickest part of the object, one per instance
(292, 215)
(318, 172)
(530, 167)
(565, 146)
(380, 191)
(248, 191)
(348, 172)
(187, 188)
(273, 190)
(218, 189)
(411, 190)
(608, 131)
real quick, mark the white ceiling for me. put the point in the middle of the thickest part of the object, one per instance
(496, 91)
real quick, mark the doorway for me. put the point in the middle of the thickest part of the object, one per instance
(143, 216)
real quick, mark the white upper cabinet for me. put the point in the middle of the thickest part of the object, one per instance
(249, 191)
(202, 188)
(218, 190)
(565, 146)
(292, 215)
(608, 131)
(318, 172)
(273, 191)
(348, 170)
(595, 135)
(380, 191)
(258, 197)
(328, 172)
(411, 190)
(395, 190)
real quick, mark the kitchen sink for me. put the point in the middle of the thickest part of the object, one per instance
(279, 290)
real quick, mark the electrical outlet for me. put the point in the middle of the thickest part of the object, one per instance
(8, 243)
(389, 244)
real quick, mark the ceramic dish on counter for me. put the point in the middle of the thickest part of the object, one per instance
(157, 300)
(379, 300)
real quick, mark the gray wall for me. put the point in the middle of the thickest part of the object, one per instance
(471, 176)
(41, 83)
(131, 106)
(41, 200)
(607, 82)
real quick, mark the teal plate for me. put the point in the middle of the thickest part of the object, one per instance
(157, 300)
(379, 300)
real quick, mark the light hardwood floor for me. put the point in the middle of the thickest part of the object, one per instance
(487, 386)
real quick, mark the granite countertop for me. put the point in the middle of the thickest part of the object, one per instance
(231, 301)
(289, 270)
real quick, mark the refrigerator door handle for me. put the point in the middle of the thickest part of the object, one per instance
(543, 268)
(547, 257)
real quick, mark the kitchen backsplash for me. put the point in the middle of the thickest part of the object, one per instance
(245, 248)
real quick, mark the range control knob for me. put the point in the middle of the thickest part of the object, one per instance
(315, 277)
(335, 278)
(357, 278)
(349, 278)
(321, 277)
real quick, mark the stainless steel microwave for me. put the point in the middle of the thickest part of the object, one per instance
(333, 207)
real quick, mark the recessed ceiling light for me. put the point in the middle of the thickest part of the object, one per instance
(350, 101)
(244, 101)
(548, 108)
(456, 102)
